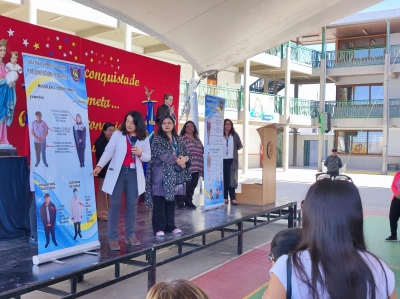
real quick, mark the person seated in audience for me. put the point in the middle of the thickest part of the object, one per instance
(332, 260)
(176, 289)
(284, 242)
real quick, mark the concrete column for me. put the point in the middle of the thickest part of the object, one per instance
(286, 129)
(32, 12)
(322, 83)
(128, 38)
(296, 95)
(246, 114)
(386, 115)
(275, 87)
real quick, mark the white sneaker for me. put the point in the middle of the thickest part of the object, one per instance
(160, 233)
(176, 231)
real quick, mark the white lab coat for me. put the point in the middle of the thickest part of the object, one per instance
(76, 209)
(116, 152)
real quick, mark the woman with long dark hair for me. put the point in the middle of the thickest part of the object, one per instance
(232, 145)
(79, 130)
(103, 198)
(332, 260)
(190, 137)
(127, 149)
(167, 169)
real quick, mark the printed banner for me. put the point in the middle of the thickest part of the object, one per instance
(262, 108)
(60, 153)
(213, 152)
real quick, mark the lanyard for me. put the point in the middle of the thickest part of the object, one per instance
(227, 148)
(132, 155)
(175, 145)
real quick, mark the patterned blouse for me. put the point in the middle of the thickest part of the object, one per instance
(196, 148)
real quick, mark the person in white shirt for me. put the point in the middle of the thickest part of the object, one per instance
(331, 261)
(76, 212)
(12, 69)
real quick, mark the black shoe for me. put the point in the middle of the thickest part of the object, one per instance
(191, 206)
(75, 237)
(80, 236)
(37, 163)
(47, 244)
(180, 207)
(45, 164)
(391, 239)
(55, 243)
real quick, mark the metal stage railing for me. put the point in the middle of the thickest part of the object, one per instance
(258, 216)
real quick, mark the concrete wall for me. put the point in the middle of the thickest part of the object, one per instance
(395, 39)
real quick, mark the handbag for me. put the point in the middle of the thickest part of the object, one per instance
(180, 189)
(289, 277)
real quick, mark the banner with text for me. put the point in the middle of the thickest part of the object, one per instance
(60, 154)
(213, 152)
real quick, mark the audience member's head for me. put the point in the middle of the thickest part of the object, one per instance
(284, 242)
(176, 289)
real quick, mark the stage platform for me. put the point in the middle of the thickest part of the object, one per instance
(19, 276)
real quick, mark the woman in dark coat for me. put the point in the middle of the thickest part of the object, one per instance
(80, 139)
(103, 198)
(167, 149)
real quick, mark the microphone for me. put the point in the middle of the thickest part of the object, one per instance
(133, 141)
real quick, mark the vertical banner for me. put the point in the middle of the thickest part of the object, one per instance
(60, 157)
(213, 152)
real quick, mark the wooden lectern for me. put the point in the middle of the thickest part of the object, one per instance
(265, 193)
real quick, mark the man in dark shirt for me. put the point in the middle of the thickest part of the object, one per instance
(48, 216)
(166, 108)
(333, 163)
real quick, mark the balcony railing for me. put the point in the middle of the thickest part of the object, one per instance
(231, 95)
(298, 53)
(362, 109)
(303, 107)
(338, 58)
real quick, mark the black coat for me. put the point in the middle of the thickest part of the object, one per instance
(162, 111)
(100, 146)
(52, 213)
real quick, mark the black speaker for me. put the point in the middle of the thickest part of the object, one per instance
(327, 121)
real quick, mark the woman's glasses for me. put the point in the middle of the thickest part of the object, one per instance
(270, 258)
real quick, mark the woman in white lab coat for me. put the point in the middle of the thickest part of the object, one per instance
(127, 149)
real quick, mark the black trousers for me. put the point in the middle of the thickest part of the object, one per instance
(50, 230)
(77, 227)
(163, 215)
(227, 177)
(182, 200)
(394, 215)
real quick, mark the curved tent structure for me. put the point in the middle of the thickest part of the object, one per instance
(215, 34)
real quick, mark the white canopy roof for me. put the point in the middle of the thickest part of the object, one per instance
(215, 34)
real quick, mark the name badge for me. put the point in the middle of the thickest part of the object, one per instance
(132, 166)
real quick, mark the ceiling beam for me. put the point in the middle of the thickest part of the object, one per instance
(8, 9)
(156, 48)
(259, 68)
(93, 31)
(332, 78)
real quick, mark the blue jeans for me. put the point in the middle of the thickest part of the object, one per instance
(40, 148)
(126, 182)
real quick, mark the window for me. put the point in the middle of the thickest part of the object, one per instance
(359, 142)
(360, 93)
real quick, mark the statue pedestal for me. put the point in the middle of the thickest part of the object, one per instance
(265, 193)
(7, 151)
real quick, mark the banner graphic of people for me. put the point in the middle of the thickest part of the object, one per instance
(213, 152)
(262, 108)
(60, 156)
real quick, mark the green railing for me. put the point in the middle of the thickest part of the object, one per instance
(231, 95)
(355, 109)
(338, 58)
(298, 53)
(356, 57)
(394, 107)
(303, 107)
(395, 54)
